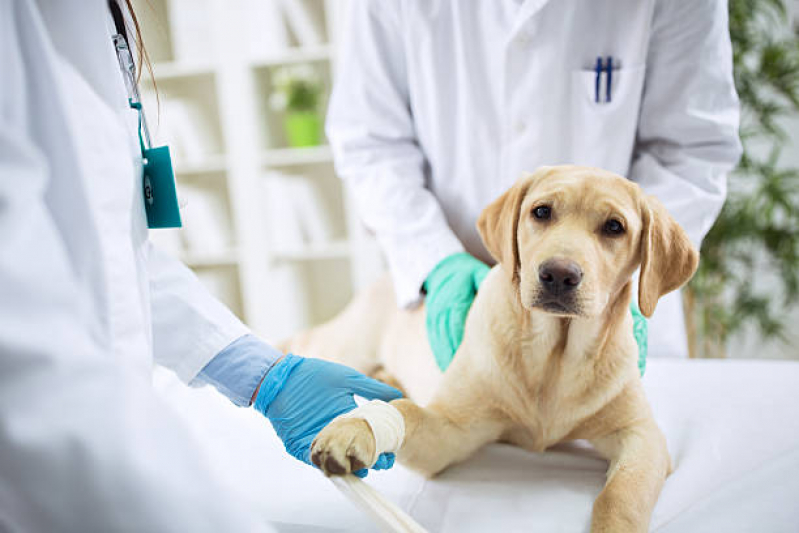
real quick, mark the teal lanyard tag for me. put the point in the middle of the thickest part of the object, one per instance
(160, 193)
(159, 190)
(158, 183)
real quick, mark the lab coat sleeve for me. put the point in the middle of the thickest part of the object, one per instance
(687, 136)
(371, 131)
(238, 370)
(190, 326)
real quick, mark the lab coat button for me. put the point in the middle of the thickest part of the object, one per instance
(520, 127)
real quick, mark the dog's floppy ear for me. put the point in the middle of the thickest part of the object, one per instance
(499, 222)
(668, 258)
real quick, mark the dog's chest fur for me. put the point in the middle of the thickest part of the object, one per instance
(553, 378)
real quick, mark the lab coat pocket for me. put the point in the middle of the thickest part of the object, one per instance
(603, 133)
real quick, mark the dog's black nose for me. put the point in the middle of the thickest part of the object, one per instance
(560, 275)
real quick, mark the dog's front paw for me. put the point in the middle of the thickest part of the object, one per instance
(346, 445)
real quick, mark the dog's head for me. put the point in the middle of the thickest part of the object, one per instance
(571, 237)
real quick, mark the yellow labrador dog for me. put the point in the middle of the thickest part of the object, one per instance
(548, 353)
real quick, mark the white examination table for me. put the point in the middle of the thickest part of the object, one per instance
(732, 429)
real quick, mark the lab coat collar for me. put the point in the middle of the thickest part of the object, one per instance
(527, 10)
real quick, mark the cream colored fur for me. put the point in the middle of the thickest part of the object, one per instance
(523, 374)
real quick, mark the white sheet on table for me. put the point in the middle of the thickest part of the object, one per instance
(732, 429)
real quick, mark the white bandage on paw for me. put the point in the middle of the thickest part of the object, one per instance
(386, 423)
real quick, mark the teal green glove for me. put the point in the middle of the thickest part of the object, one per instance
(451, 288)
(641, 332)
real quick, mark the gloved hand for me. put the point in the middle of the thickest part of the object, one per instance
(641, 332)
(301, 396)
(451, 288)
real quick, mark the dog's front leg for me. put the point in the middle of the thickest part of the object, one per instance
(639, 464)
(446, 432)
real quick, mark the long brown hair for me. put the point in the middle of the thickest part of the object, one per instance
(143, 57)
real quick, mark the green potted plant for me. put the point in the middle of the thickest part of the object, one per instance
(297, 92)
(757, 233)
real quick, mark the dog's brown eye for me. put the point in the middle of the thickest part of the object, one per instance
(542, 212)
(613, 227)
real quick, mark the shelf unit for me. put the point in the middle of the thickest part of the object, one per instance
(285, 157)
(223, 86)
(222, 257)
(297, 55)
(331, 250)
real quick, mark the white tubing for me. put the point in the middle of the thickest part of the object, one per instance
(385, 513)
(386, 423)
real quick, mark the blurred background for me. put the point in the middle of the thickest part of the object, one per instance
(242, 89)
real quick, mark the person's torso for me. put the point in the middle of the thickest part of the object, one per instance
(95, 190)
(500, 88)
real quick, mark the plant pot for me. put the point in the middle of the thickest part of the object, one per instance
(303, 128)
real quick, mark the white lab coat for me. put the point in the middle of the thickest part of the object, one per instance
(440, 105)
(85, 302)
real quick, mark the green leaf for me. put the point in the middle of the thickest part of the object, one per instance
(757, 232)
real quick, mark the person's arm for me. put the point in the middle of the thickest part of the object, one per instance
(299, 396)
(687, 136)
(199, 338)
(85, 445)
(190, 326)
(371, 131)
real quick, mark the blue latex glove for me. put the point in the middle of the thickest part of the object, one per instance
(301, 396)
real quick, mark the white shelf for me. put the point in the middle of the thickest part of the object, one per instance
(295, 55)
(209, 165)
(333, 250)
(172, 70)
(211, 258)
(283, 157)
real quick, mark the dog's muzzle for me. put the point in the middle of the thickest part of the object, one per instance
(558, 278)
